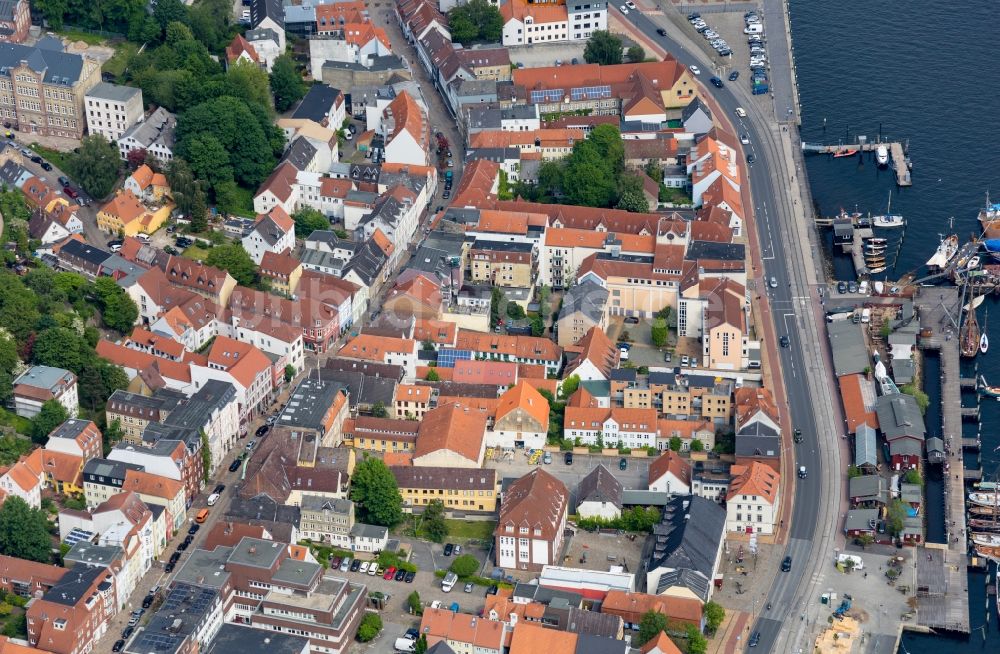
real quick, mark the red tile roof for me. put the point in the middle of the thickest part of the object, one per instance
(451, 428)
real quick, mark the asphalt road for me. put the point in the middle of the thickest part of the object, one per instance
(787, 258)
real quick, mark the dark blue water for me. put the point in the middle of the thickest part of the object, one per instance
(923, 73)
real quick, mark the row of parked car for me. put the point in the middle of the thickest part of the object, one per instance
(350, 564)
(710, 35)
(758, 52)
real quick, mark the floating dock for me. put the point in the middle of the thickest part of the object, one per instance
(900, 162)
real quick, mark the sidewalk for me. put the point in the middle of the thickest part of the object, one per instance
(732, 633)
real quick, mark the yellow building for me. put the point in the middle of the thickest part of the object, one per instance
(676, 401)
(412, 401)
(724, 344)
(637, 398)
(283, 271)
(63, 471)
(133, 411)
(502, 264)
(459, 489)
(124, 214)
(380, 434)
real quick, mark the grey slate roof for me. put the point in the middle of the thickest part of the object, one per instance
(321, 259)
(300, 153)
(850, 355)
(687, 540)
(861, 519)
(113, 92)
(361, 530)
(158, 128)
(247, 640)
(599, 486)
(588, 298)
(309, 402)
(363, 389)
(758, 445)
(261, 9)
(899, 416)
(317, 103)
(367, 262)
(867, 488)
(57, 66)
(712, 250)
(692, 107)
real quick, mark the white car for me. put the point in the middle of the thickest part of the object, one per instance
(694, 69)
(744, 139)
(741, 112)
(623, 354)
(624, 9)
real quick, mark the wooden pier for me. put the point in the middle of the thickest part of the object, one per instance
(971, 444)
(970, 413)
(947, 605)
(967, 383)
(897, 155)
(973, 474)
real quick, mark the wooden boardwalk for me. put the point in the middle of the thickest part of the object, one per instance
(948, 609)
(897, 155)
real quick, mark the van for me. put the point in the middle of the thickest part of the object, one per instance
(404, 645)
(212, 499)
(863, 287)
(449, 582)
(858, 564)
(754, 29)
(866, 316)
(202, 516)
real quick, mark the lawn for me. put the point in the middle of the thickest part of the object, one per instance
(116, 65)
(472, 529)
(77, 35)
(11, 419)
(195, 252)
(245, 207)
(54, 157)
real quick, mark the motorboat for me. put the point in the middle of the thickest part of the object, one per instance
(984, 343)
(974, 304)
(875, 240)
(945, 252)
(845, 153)
(989, 219)
(980, 524)
(876, 270)
(882, 155)
(973, 263)
(888, 219)
(985, 485)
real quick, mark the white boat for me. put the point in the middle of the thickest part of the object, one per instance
(882, 155)
(878, 286)
(984, 343)
(973, 263)
(991, 540)
(985, 485)
(875, 271)
(984, 499)
(888, 219)
(945, 252)
(974, 304)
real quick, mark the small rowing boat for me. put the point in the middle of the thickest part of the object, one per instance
(850, 152)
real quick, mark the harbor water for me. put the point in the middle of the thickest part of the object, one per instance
(921, 73)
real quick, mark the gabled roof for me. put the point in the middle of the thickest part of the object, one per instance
(673, 463)
(535, 501)
(756, 479)
(524, 396)
(599, 486)
(528, 347)
(597, 348)
(239, 46)
(280, 182)
(451, 428)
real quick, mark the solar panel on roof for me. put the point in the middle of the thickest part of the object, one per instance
(448, 356)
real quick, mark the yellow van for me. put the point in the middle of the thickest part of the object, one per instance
(202, 516)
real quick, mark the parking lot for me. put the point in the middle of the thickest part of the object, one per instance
(600, 551)
(635, 476)
(538, 55)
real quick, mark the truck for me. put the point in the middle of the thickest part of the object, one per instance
(855, 561)
(759, 89)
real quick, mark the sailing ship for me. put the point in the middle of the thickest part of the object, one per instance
(989, 219)
(945, 252)
(969, 339)
(888, 219)
(882, 155)
(984, 499)
(990, 540)
(987, 391)
(988, 552)
(981, 524)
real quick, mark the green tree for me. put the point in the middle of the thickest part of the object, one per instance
(633, 201)
(206, 457)
(24, 531)
(114, 433)
(914, 391)
(118, 311)
(853, 471)
(658, 332)
(537, 325)
(227, 198)
(379, 410)
(696, 641)
(433, 376)
(569, 386)
(515, 311)
(370, 627)
(209, 160)
(374, 491)
(913, 477)
(169, 11)
(18, 308)
(465, 565)
(895, 517)
(475, 21)
(676, 443)
(414, 604)
(287, 84)
(14, 207)
(697, 445)
(496, 300)
(289, 373)
(211, 23)
(714, 615)
(61, 347)
(650, 626)
(8, 362)
(248, 81)
(420, 647)
(433, 523)
(51, 415)
(636, 54)
(603, 48)
(95, 165)
(187, 193)
(234, 259)
(308, 220)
